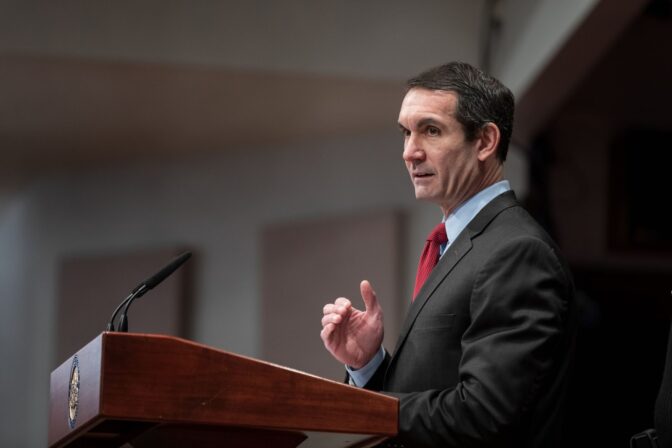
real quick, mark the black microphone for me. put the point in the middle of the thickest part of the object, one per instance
(142, 288)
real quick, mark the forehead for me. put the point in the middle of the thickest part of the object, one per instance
(420, 103)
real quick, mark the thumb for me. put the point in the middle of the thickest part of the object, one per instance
(369, 296)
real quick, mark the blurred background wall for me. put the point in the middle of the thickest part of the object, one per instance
(132, 126)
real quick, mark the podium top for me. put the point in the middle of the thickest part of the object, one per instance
(155, 390)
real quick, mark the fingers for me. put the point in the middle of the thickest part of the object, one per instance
(330, 340)
(328, 337)
(340, 306)
(342, 301)
(331, 318)
(335, 313)
(369, 296)
(326, 332)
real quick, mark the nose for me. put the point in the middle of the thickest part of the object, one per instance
(413, 151)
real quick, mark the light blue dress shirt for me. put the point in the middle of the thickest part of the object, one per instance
(455, 224)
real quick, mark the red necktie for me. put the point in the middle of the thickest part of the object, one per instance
(430, 256)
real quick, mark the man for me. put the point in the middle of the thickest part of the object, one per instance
(483, 356)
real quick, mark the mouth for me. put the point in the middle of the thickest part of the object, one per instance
(422, 175)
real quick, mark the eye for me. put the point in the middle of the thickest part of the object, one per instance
(405, 132)
(433, 131)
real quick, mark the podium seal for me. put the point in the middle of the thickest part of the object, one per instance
(73, 393)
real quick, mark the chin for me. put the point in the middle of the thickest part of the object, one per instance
(423, 193)
(421, 196)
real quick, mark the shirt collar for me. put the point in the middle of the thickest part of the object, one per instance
(458, 219)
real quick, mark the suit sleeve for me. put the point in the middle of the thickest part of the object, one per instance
(510, 350)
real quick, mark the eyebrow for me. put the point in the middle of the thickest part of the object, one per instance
(429, 122)
(424, 122)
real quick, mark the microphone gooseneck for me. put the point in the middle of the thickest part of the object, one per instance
(143, 288)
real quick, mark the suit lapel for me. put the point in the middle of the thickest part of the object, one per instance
(460, 247)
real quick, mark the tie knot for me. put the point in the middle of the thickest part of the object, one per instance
(438, 235)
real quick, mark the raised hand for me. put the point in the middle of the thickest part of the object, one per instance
(352, 336)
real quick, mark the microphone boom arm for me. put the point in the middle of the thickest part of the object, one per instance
(141, 289)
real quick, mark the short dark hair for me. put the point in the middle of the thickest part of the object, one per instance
(482, 99)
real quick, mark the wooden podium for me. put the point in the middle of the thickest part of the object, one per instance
(161, 391)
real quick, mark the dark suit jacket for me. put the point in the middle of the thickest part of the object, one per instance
(484, 354)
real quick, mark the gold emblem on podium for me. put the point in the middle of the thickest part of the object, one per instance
(73, 393)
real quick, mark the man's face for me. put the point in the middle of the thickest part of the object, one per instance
(443, 166)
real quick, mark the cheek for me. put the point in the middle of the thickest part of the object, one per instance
(455, 170)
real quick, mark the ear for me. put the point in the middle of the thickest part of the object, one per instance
(488, 141)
